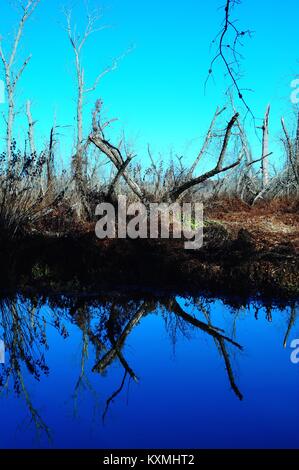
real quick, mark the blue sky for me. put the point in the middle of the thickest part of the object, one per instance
(157, 92)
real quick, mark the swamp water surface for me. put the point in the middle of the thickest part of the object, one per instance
(168, 373)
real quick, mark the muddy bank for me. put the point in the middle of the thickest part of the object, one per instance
(231, 262)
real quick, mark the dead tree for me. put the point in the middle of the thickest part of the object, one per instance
(31, 140)
(13, 75)
(114, 154)
(78, 42)
(177, 192)
(266, 185)
(265, 150)
(30, 129)
(292, 149)
(50, 158)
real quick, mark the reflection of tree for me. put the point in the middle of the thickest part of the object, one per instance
(105, 326)
(23, 333)
(219, 338)
(82, 318)
(117, 337)
(182, 321)
(291, 320)
(117, 344)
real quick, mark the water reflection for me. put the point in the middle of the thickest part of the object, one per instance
(105, 328)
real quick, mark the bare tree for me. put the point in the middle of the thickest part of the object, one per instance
(265, 149)
(173, 193)
(78, 42)
(97, 137)
(30, 129)
(292, 149)
(13, 74)
(50, 158)
(176, 192)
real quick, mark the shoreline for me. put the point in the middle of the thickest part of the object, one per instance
(233, 262)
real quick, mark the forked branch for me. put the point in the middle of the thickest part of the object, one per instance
(219, 168)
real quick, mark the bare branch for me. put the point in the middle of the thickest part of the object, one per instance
(206, 143)
(19, 74)
(113, 153)
(177, 192)
(119, 174)
(11, 78)
(27, 12)
(227, 51)
(107, 70)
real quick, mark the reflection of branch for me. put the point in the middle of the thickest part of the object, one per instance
(82, 320)
(207, 315)
(290, 325)
(117, 345)
(84, 356)
(218, 337)
(109, 357)
(229, 369)
(125, 365)
(36, 418)
(114, 395)
(211, 330)
(82, 379)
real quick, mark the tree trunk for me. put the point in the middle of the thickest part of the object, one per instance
(265, 149)
(9, 128)
(30, 129)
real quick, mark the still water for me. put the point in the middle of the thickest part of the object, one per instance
(166, 373)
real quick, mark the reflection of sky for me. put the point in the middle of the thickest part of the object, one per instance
(183, 398)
